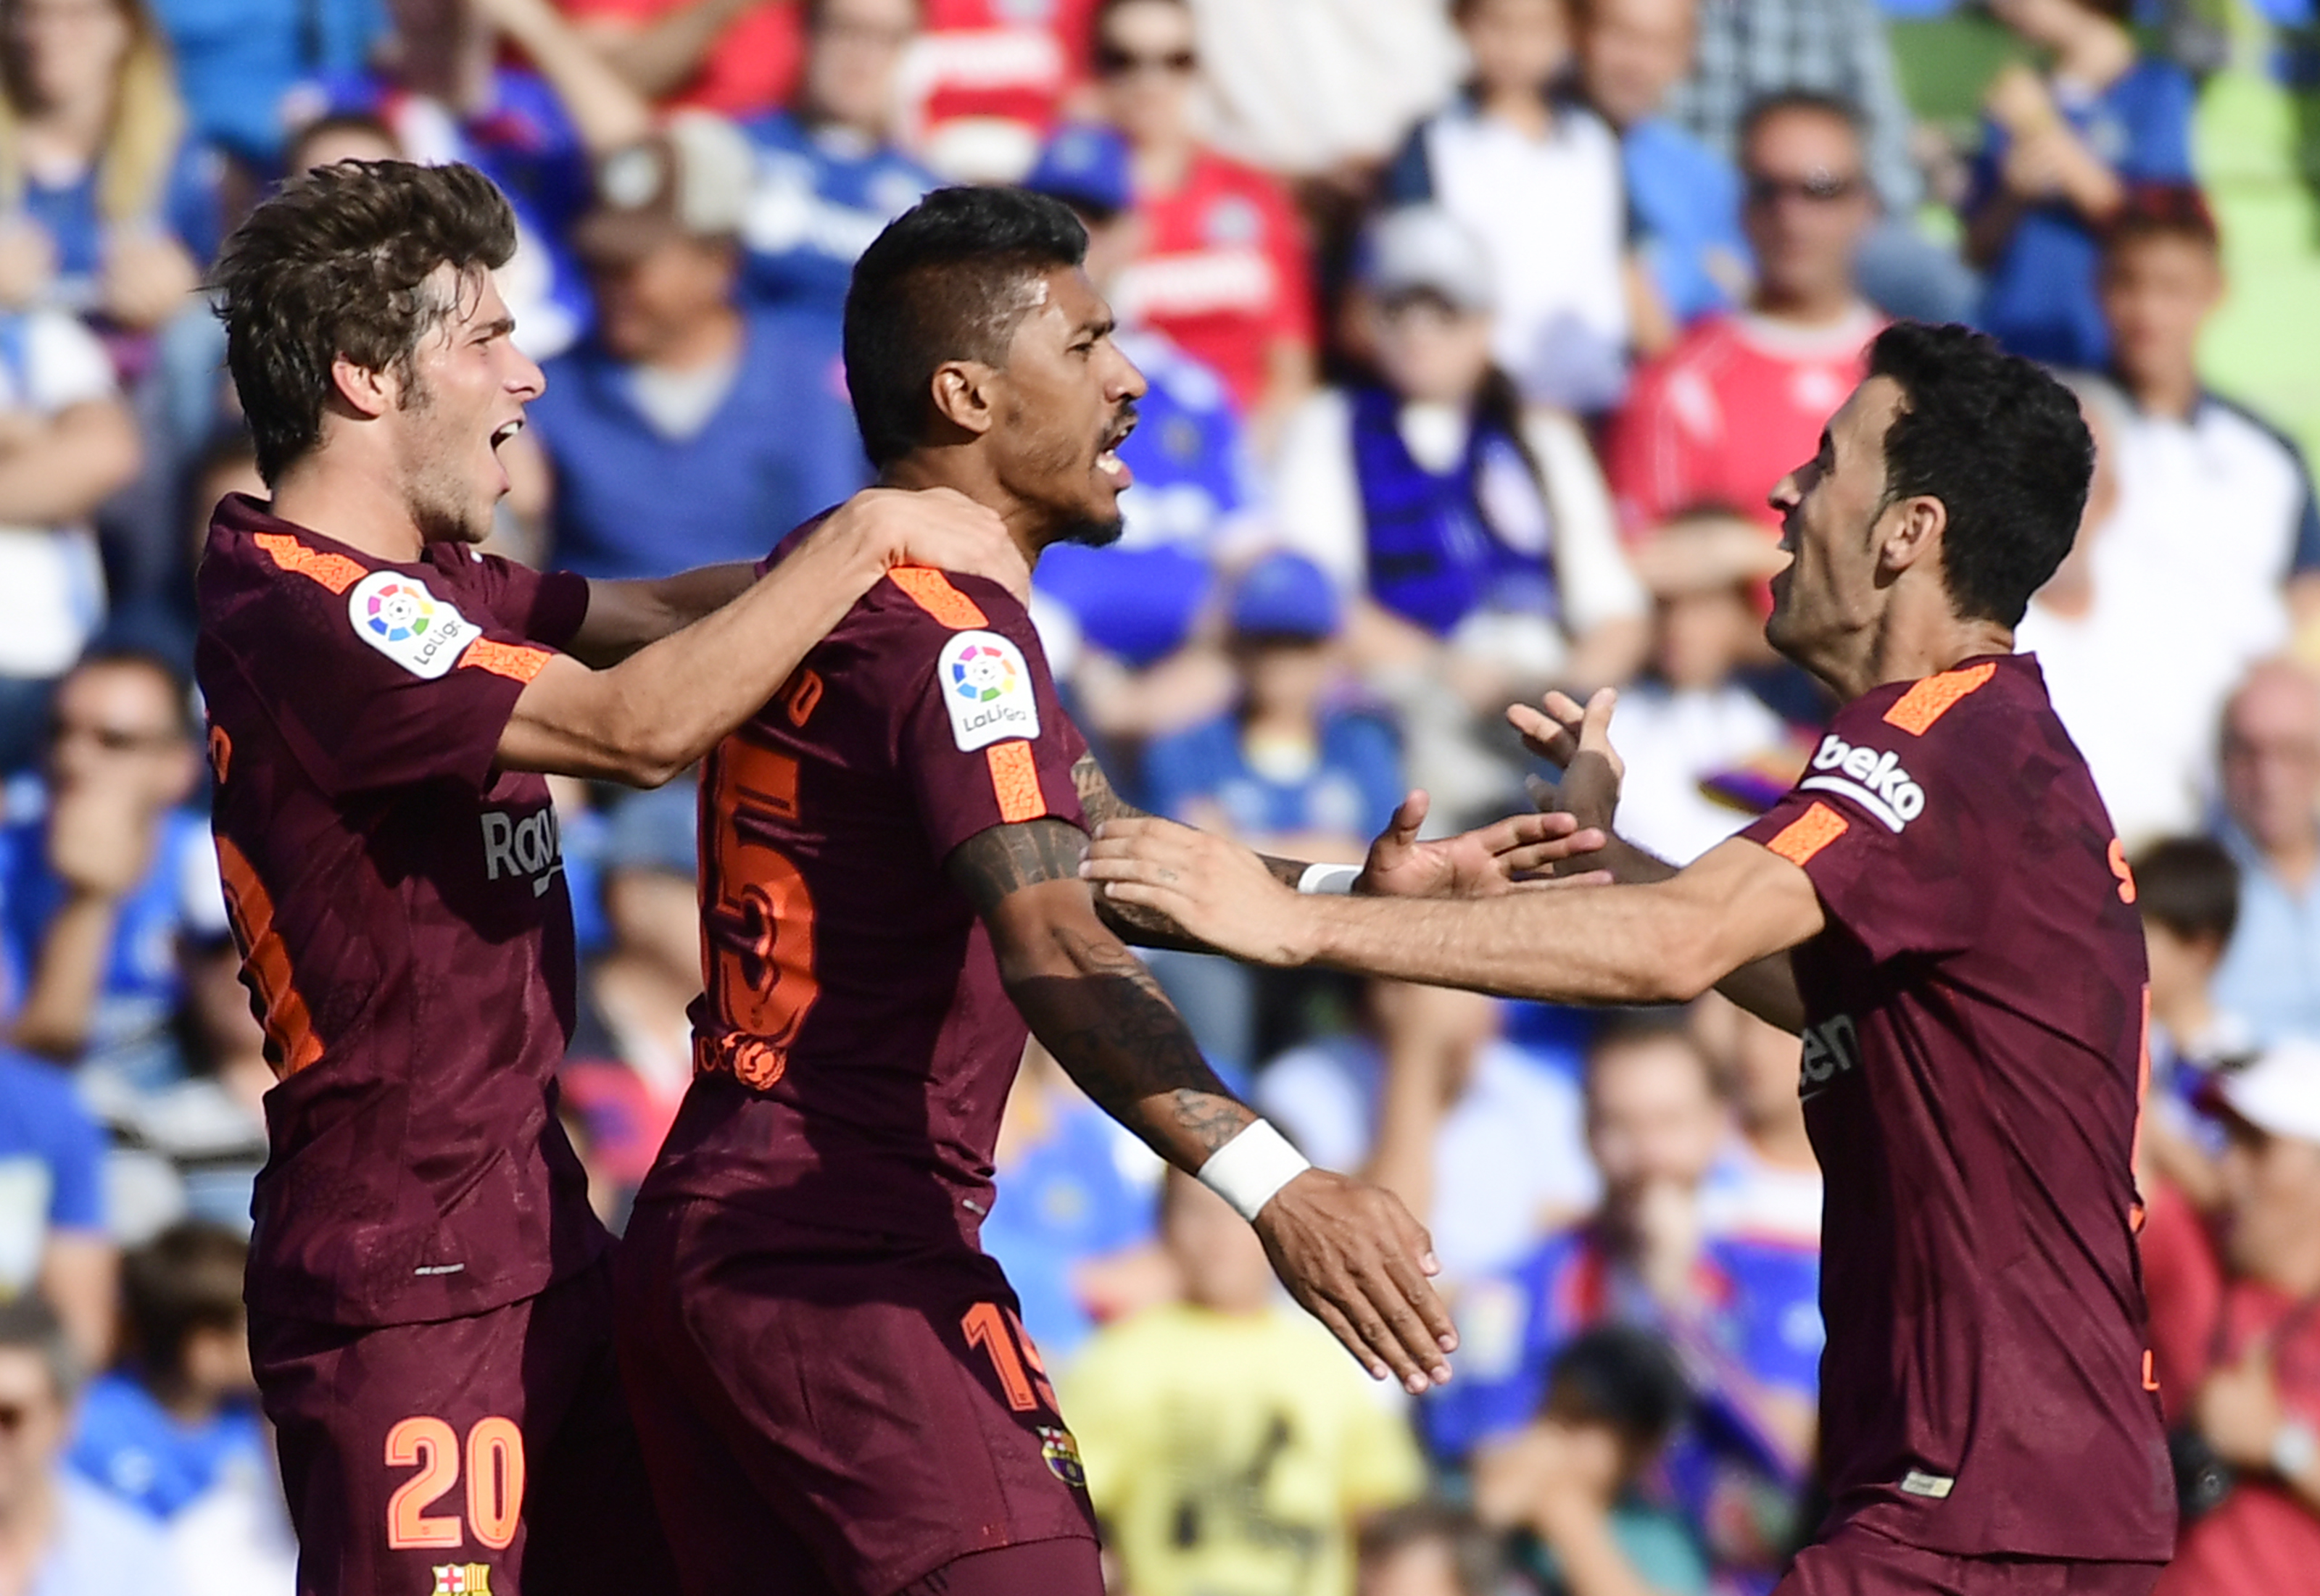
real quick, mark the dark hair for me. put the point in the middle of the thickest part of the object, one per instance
(2190, 886)
(1801, 102)
(947, 279)
(335, 264)
(2163, 210)
(2002, 445)
(1622, 1376)
(186, 1279)
(1640, 1028)
(116, 652)
(28, 1324)
(1474, 1551)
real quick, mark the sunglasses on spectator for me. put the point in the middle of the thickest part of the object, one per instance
(1115, 62)
(1819, 188)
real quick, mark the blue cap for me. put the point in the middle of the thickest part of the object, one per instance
(1285, 596)
(1084, 165)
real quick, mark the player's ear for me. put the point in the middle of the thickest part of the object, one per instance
(1911, 533)
(367, 392)
(962, 395)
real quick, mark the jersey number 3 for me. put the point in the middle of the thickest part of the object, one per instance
(761, 977)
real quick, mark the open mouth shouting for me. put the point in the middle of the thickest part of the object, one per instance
(1107, 459)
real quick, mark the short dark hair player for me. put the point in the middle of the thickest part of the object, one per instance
(430, 1305)
(1941, 911)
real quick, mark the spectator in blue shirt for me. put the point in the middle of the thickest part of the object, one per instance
(240, 60)
(181, 1410)
(1683, 198)
(1742, 1315)
(52, 1219)
(2271, 974)
(678, 386)
(2059, 152)
(828, 175)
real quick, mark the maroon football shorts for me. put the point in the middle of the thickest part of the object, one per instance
(829, 1415)
(490, 1455)
(1857, 1562)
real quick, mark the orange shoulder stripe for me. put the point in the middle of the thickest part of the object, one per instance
(1916, 710)
(511, 660)
(1015, 779)
(292, 1044)
(931, 592)
(1809, 834)
(334, 571)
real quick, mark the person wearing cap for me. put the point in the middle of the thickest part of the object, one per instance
(2235, 1337)
(1471, 532)
(679, 384)
(1130, 625)
(828, 174)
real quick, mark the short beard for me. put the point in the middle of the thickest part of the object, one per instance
(1089, 533)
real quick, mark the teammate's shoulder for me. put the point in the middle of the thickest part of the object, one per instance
(920, 597)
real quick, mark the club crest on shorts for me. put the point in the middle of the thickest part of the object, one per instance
(987, 686)
(463, 1579)
(1062, 1455)
(398, 616)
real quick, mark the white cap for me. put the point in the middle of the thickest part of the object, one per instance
(1424, 250)
(2280, 1093)
(690, 179)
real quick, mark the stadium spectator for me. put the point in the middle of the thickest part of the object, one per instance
(2270, 975)
(2059, 150)
(1223, 270)
(828, 174)
(985, 80)
(1227, 1446)
(1077, 1223)
(53, 1241)
(348, 136)
(1749, 50)
(1766, 1185)
(677, 384)
(235, 1539)
(737, 57)
(1427, 1096)
(1699, 746)
(1426, 1548)
(109, 893)
(1536, 178)
(1683, 198)
(2187, 890)
(59, 1534)
(1742, 1315)
(239, 62)
(1458, 519)
(2233, 1337)
(1573, 1482)
(164, 1428)
(1742, 397)
(445, 97)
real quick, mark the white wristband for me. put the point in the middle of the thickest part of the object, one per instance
(1248, 1170)
(1333, 880)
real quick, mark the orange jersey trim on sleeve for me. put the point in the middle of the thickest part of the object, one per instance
(931, 592)
(1808, 834)
(511, 660)
(1916, 711)
(1015, 778)
(267, 963)
(334, 571)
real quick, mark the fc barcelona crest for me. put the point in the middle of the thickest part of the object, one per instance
(1062, 1455)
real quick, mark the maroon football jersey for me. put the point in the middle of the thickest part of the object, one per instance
(854, 1046)
(1972, 1070)
(400, 903)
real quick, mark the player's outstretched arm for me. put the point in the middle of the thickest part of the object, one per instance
(1348, 1251)
(665, 705)
(1665, 942)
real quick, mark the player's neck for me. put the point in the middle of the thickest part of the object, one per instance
(1910, 644)
(964, 471)
(342, 498)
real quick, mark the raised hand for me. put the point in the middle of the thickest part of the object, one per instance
(1577, 739)
(1352, 1257)
(1485, 863)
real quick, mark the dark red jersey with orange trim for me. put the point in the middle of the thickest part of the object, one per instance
(854, 1046)
(1971, 1068)
(401, 907)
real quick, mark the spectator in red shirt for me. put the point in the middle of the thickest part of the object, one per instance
(2236, 1333)
(985, 80)
(1742, 397)
(1224, 271)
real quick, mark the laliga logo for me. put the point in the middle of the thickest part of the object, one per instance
(982, 673)
(399, 612)
(1875, 780)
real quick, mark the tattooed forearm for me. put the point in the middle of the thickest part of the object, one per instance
(1148, 928)
(1006, 858)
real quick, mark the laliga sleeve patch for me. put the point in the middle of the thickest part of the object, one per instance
(398, 616)
(987, 686)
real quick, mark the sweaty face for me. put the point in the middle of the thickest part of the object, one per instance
(1831, 508)
(465, 396)
(2156, 294)
(1065, 402)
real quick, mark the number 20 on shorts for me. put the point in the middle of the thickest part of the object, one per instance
(494, 1460)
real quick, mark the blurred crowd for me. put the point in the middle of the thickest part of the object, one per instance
(1475, 331)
